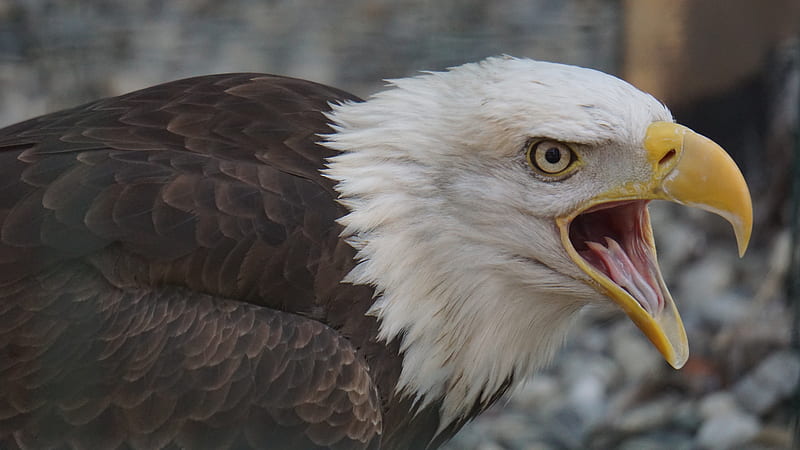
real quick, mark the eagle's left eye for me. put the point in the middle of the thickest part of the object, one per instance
(550, 157)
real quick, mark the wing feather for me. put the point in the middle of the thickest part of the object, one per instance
(103, 367)
(154, 249)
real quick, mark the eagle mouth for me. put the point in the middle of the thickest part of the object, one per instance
(616, 241)
(610, 238)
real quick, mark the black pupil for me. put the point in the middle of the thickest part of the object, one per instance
(552, 155)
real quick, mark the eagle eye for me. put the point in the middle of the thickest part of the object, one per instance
(550, 157)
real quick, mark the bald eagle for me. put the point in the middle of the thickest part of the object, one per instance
(254, 261)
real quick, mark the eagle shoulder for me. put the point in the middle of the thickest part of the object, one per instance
(171, 265)
(206, 182)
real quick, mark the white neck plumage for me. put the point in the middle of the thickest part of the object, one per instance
(470, 315)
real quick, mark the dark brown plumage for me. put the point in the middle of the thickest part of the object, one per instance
(170, 273)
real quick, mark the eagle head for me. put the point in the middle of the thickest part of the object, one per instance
(491, 202)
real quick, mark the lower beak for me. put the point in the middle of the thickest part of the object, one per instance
(689, 169)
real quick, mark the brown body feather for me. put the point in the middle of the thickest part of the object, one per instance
(170, 277)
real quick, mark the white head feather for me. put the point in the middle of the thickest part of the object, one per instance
(454, 231)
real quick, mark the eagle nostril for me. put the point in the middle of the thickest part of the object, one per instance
(669, 156)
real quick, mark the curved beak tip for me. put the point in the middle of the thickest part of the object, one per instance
(677, 361)
(743, 240)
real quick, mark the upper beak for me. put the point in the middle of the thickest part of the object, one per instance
(689, 169)
(704, 176)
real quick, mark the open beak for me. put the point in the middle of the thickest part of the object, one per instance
(610, 237)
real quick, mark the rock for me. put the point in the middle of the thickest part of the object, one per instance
(489, 446)
(469, 438)
(745, 345)
(686, 416)
(578, 364)
(537, 446)
(634, 353)
(515, 428)
(671, 227)
(594, 339)
(702, 283)
(542, 392)
(727, 431)
(588, 397)
(586, 378)
(566, 429)
(658, 441)
(774, 437)
(717, 404)
(652, 414)
(773, 380)
(727, 308)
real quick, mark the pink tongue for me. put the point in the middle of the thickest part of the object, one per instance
(622, 271)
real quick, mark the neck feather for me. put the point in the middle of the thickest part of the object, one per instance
(469, 318)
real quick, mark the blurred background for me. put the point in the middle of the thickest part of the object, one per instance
(729, 69)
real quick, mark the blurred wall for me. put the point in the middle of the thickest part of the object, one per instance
(730, 68)
(58, 53)
(686, 50)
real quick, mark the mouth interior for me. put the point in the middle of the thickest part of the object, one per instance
(614, 238)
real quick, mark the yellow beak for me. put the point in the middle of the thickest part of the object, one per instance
(686, 168)
(704, 176)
